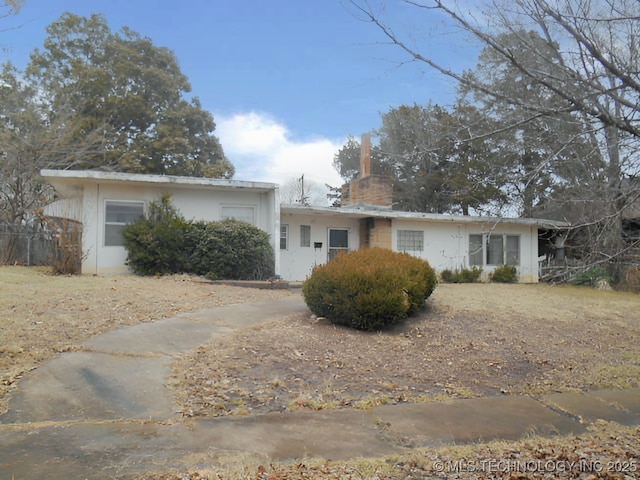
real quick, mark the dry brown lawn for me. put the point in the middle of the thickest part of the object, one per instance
(606, 452)
(471, 340)
(42, 315)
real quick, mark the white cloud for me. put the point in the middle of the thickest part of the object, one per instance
(261, 149)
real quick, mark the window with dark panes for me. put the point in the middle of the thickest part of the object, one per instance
(284, 237)
(338, 241)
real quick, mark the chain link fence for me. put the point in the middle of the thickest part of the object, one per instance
(55, 242)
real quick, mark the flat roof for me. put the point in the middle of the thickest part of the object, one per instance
(371, 211)
(71, 177)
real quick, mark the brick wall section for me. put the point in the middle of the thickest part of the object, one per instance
(375, 232)
(372, 190)
(364, 232)
(380, 233)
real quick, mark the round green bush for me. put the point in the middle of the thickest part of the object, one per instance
(164, 242)
(369, 289)
(155, 243)
(230, 250)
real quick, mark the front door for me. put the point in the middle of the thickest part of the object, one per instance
(338, 241)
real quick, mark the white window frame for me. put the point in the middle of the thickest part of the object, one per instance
(507, 254)
(410, 240)
(334, 250)
(284, 235)
(239, 212)
(119, 224)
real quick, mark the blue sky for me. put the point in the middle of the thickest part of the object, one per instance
(286, 80)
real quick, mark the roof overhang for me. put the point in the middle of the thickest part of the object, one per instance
(368, 212)
(66, 182)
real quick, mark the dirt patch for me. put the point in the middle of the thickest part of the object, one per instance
(472, 340)
(42, 315)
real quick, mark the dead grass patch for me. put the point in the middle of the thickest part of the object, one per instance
(42, 315)
(606, 451)
(472, 340)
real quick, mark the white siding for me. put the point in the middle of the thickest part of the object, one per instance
(193, 204)
(297, 262)
(446, 244)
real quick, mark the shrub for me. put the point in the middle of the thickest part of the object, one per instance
(155, 244)
(504, 274)
(464, 275)
(164, 242)
(593, 277)
(230, 250)
(369, 289)
(631, 281)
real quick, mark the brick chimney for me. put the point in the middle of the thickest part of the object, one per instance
(369, 190)
(365, 156)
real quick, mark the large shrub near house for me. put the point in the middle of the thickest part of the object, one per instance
(164, 242)
(369, 289)
(155, 244)
(230, 250)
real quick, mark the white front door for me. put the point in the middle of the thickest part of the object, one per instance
(338, 241)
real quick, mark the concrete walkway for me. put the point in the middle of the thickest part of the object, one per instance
(105, 412)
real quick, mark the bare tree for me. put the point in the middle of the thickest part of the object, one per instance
(32, 137)
(589, 66)
(10, 7)
(301, 191)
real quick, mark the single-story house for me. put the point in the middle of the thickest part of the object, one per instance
(104, 202)
(311, 235)
(302, 236)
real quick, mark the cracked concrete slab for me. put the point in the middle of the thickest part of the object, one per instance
(589, 407)
(471, 420)
(170, 336)
(87, 385)
(628, 400)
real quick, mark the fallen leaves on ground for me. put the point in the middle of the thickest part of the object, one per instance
(42, 315)
(472, 340)
(608, 451)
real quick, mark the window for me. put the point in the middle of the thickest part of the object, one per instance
(410, 241)
(475, 251)
(117, 215)
(305, 235)
(284, 237)
(495, 252)
(338, 241)
(241, 213)
(500, 249)
(513, 250)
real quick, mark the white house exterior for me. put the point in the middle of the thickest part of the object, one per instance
(105, 201)
(311, 235)
(301, 236)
